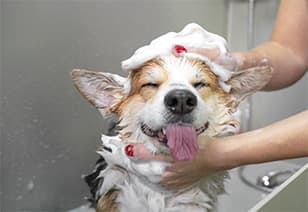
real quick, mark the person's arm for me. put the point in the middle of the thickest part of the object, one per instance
(287, 50)
(287, 53)
(282, 140)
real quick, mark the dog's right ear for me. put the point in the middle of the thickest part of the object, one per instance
(246, 82)
(103, 90)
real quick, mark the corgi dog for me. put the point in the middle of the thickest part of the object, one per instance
(173, 105)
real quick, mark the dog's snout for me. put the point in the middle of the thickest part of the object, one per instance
(180, 101)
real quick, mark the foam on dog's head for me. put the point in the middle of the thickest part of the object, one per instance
(192, 35)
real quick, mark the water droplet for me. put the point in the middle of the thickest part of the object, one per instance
(30, 186)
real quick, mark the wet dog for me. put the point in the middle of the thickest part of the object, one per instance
(172, 104)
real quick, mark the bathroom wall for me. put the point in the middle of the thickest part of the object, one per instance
(49, 132)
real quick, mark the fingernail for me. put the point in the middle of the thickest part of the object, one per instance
(129, 150)
(178, 49)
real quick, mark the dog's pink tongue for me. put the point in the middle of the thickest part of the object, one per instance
(182, 141)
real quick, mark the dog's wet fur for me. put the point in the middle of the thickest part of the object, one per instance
(165, 90)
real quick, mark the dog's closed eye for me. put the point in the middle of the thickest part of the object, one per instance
(201, 84)
(150, 85)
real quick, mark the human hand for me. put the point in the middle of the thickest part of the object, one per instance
(233, 61)
(183, 174)
(214, 48)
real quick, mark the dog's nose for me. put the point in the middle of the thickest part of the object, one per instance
(180, 101)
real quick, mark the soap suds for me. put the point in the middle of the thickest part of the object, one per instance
(192, 36)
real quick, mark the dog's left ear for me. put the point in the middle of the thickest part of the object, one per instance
(103, 90)
(246, 82)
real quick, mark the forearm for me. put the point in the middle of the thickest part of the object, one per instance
(286, 51)
(283, 140)
(287, 66)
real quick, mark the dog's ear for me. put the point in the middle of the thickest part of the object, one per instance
(103, 90)
(246, 82)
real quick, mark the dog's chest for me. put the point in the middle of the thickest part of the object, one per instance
(138, 195)
(139, 186)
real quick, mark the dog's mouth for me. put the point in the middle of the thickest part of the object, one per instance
(181, 138)
(161, 133)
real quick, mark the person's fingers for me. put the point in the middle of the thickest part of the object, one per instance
(249, 59)
(183, 174)
(140, 152)
(178, 166)
(172, 181)
(228, 60)
(239, 60)
(233, 61)
(176, 181)
(179, 183)
(178, 170)
(184, 167)
(212, 53)
(163, 157)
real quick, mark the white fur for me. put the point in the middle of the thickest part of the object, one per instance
(139, 188)
(138, 181)
(138, 184)
(180, 74)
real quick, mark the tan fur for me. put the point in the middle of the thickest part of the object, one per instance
(209, 77)
(107, 202)
(222, 104)
(139, 95)
(145, 94)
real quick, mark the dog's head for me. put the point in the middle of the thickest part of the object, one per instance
(170, 101)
